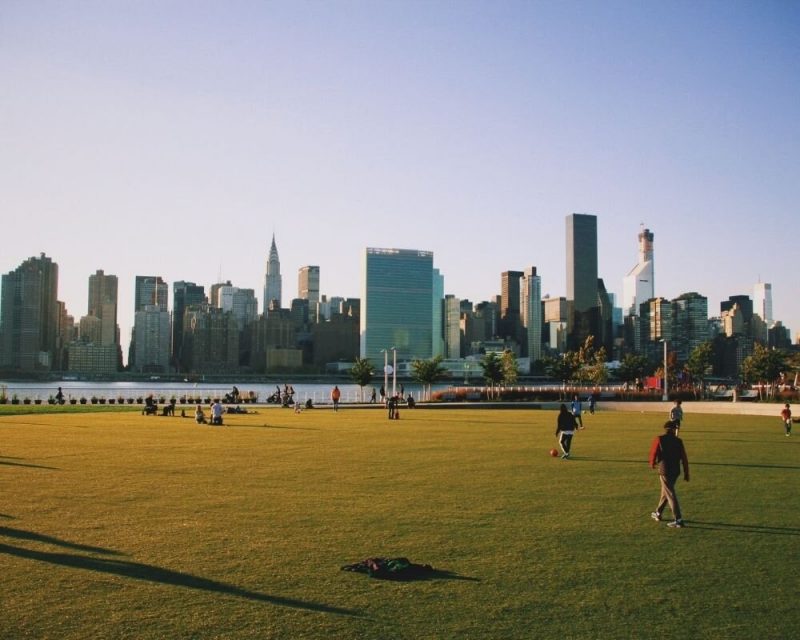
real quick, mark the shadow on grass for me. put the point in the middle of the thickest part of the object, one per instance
(743, 528)
(19, 534)
(30, 466)
(435, 574)
(150, 573)
(692, 463)
(272, 426)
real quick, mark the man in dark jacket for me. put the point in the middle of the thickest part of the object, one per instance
(668, 453)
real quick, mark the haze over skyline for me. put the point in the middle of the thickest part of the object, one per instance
(173, 139)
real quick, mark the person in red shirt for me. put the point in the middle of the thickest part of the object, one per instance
(786, 416)
(668, 454)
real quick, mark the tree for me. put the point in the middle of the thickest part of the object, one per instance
(428, 372)
(509, 366)
(361, 373)
(561, 368)
(589, 363)
(633, 366)
(699, 365)
(765, 366)
(492, 369)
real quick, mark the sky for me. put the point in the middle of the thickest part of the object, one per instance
(174, 138)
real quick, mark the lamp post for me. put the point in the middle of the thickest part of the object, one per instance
(385, 372)
(394, 371)
(665, 397)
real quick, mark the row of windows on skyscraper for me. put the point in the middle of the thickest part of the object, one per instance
(403, 308)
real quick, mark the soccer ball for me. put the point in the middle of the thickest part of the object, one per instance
(553, 453)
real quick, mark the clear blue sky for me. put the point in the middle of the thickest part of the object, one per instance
(173, 138)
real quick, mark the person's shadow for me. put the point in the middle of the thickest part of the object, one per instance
(141, 571)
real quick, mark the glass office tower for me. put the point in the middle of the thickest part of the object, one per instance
(397, 304)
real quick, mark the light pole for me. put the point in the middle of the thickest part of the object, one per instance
(385, 372)
(665, 397)
(394, 371)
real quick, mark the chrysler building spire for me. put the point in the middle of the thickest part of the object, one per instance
(272, 279)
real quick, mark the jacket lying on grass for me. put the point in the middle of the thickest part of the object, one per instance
(389, 568)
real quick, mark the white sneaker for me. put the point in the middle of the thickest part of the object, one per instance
(676, 524)
(656, 516)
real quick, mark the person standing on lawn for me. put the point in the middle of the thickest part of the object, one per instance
(786, 416)
(565, 429)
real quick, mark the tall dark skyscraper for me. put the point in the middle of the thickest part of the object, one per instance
(510, 323)
(29, 316)
(582, 300)
(184, 294)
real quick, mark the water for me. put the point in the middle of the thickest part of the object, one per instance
(318, 393)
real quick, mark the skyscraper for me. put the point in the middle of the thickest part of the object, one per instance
(582, 298)
(638, 285)
(397, 304)
(532, 312)
(103, 306)
(308, 285)
(184, 295)
(762, 302)
(452, 327)
(30, 316)
(308, 289)
(510, 323)
(272, 278)
(151, 340)
(150, 290)
(438, 335)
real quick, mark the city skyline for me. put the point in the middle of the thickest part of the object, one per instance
(175, 142)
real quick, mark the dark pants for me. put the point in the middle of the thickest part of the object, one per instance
(565, 440)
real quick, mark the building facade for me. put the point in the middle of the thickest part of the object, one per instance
(581, 253)
(30, 317)
(397, 304)
(639, 285)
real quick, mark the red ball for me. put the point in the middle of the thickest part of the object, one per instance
(554, 453)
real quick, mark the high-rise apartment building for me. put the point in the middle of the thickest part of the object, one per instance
(30, 316)
(272, 279)
(638, 286)
(397, 304)
(582, 300)
(532, 312)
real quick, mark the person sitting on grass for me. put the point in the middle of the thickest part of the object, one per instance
(199, 415)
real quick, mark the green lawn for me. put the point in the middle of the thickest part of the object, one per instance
(117, 525)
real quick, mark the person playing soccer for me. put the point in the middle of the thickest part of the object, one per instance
(668, 453)
(786, 416)
(565, 429)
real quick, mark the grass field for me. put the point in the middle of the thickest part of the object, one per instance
(117, 525)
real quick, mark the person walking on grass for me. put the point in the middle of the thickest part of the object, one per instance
(786, 416)
(565, 429)
(676, 415)
(667, 453)
(335, 395)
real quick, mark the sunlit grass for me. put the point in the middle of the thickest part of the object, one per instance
(118, 525)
